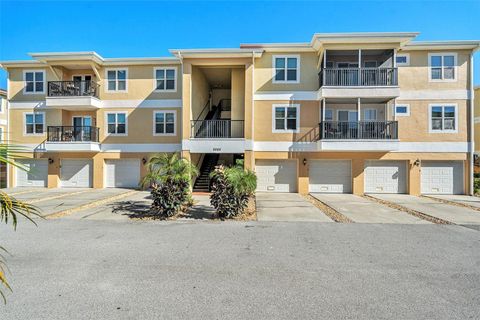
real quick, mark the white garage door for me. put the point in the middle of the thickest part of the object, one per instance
(76, 173)
(330, 176)
(383, 176)
(442, 177)
(276, 175)
(36, 174)
(124, 173)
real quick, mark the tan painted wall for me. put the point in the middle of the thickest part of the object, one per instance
(416, 75)
(308, 73)
(200, 92)
(309, 119)
(238, 94)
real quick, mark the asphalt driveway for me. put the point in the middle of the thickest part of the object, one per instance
(362, 210)
(287, 207)
(90, 269)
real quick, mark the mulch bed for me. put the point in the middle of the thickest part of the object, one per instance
(329, 211)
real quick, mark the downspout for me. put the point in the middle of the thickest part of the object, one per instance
(472, 125)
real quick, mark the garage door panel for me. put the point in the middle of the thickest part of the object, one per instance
(36, 174)
(382, 176)
(122, 173)
(276, 175)
(330, 176)
(76, 173)
(442, 177)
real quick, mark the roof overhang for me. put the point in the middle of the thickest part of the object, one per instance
(46, 57)
(319, 39)
(279, 47)
(443, 45)
(217, 53)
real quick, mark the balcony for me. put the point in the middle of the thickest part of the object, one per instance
(355, 77)
(358, 135)
(72, 138)
(78, 94)
(217, 129)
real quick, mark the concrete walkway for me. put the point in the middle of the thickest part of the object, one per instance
(452, 213)
(461, 199)
(287, 207)
(362, 210)
(202, 209)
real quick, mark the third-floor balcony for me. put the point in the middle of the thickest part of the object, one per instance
(75, 93)
(359, 130)
(355, 77)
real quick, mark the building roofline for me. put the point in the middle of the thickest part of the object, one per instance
(216, 52)
(446, 44)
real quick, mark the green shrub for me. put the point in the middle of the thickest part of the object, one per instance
(169, 197)
(476, 185)
(169, 178)
(231, 190)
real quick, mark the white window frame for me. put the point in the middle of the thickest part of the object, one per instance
(407, 114)
(25, 82)
(174, 122)
(297, 107)
(165, 73)
(25, 123)
(455, 66)
(116, 80)
(403, 64)
(2, 132)
(106, 123)
(274, 69)
(443, 105)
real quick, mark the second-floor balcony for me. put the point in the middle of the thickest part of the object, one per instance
(358, 77)
(72, 139)
(75, 93)
(217, 129)
(358, 130)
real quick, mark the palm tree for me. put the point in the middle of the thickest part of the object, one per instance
(11, 208)
(165, 166)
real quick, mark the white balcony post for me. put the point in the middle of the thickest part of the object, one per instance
(359, 77)
(324, 67)
(394, 62)
(323, 109)
(358, 109)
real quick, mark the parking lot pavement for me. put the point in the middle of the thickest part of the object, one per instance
(287, 207)
(52, 206)
(117, 210)
(452, 213)
(362, 210)
(460, 199)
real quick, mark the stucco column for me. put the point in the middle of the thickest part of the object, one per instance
(303, 179)
(98, 163)
(186, 100)
(358, 167)
(249, 160)
(413, 178)
(53, 171)
(249, 102)
(186, 155)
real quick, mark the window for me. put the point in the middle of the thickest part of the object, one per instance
(34, 82)
(117, 80)
(286, 118)
(442, 66)
(328, 114)
(1, 134)
(164, 122)
(117, 123)
(403, 59)
(370, 64)
(370, 114)
(34, 123)
(443, 118)
(402, 110)
(165, 79)
(287, 69)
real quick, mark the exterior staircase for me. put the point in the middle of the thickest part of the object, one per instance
(202, 183)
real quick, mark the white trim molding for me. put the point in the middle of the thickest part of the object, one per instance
(442, 67)
(216, 145)
(442, 105)
(105, 84)
(404, 105)
(141, 147)
(434, 94)
(155, 89)
(107, 134)
(25, 134)
(297, 117)
(165, 134)
(407, 60)
(44, 91)
(285, 95)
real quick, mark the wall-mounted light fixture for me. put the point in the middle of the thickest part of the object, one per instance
(417, 162)
(144, 160)
(304, 161)
(50, 160)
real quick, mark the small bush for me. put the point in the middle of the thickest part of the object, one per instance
(169, 197)
(476, 185)
(231, 190)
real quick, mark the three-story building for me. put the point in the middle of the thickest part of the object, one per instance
(354, 113)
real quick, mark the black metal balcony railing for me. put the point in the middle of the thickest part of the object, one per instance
(217, 129)
(355, 77)
(361, 130)
(72, 134)
(82, 88)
